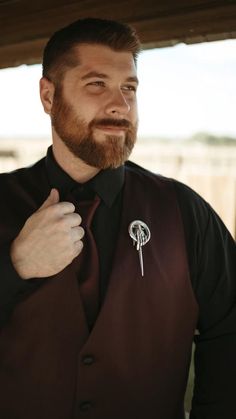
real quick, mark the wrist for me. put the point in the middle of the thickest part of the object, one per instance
(19, 263)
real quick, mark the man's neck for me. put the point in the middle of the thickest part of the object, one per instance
(72, 165)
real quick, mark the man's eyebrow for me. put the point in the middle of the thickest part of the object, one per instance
(92, 74)
(133, 79)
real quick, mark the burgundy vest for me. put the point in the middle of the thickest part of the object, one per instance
(134, 363)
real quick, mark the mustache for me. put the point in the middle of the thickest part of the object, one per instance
(108, 122)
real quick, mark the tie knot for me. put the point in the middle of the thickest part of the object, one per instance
(86, 210)
(85, 203)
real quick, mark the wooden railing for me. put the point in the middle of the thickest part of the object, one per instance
(209, 169)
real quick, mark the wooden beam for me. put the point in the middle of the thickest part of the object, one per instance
(25, 25)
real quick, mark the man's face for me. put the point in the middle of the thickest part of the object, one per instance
(94, 110)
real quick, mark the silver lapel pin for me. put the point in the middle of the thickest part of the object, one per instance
(140, 234)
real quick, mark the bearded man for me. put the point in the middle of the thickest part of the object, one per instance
(93, 326)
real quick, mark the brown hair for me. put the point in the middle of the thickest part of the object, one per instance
(58, 53)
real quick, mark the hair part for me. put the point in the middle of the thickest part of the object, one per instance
(59, 54)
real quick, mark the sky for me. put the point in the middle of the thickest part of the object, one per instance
(183, 90)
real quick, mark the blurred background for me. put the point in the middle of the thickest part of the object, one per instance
(187, 129)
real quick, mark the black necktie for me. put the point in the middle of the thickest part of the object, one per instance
(86, 264)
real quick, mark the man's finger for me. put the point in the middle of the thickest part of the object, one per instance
(52, 199)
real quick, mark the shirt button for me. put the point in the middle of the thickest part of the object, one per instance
(88, 360)
(84, 406)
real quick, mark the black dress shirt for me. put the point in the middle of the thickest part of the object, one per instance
(210, 248)
(212, 263)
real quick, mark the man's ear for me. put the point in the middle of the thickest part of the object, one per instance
(47, 90)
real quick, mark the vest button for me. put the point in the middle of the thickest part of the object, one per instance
(88, 360)
(84, 406)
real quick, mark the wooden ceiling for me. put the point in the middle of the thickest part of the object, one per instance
(25, 25)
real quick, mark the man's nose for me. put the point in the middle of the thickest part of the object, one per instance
(117, 104)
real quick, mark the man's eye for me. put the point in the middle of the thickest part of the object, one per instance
(130, 88)
(96, 83)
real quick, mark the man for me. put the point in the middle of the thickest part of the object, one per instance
(112, 340)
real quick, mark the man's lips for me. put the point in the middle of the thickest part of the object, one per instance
(111, 128)
(108, 124)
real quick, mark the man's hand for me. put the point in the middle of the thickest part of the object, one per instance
(49, 240)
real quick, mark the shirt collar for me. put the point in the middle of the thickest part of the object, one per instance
(106, 184)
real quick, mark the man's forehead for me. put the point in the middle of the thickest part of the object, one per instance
(96, 56)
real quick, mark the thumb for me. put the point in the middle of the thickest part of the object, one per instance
(53, 198)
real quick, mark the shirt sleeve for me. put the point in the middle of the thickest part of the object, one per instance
(212, 260)
(12, 287)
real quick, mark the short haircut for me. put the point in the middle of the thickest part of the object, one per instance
(58, 54)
